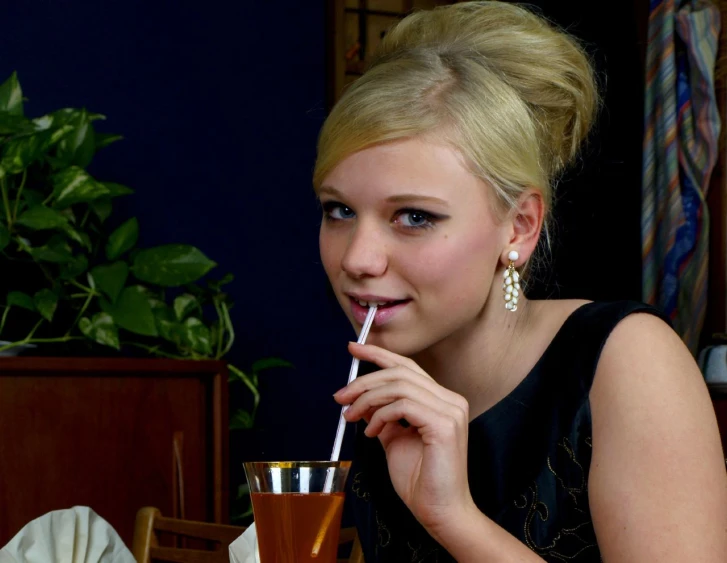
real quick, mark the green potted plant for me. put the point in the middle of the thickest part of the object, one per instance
(72, 284)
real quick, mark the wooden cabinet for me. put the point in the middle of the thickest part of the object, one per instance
(115, 435)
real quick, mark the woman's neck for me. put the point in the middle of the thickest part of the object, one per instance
(479, 361)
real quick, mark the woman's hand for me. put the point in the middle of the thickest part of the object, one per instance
(427, 458)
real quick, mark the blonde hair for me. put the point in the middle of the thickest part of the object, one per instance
(515, 95)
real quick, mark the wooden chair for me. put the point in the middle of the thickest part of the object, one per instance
(149, 521)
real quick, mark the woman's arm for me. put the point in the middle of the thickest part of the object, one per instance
(657, 485)
(473, 538)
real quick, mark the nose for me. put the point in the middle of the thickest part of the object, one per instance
(366, 254)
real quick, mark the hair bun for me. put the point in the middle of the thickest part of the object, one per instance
(546, 67)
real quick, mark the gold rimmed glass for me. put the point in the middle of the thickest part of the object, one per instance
(297, 507)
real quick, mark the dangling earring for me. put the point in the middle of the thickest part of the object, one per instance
(511, 287)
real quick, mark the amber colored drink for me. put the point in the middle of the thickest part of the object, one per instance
(289, 525)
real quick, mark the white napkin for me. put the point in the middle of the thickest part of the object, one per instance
(243, 549)
(75, 535)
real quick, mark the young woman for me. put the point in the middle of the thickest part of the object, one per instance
(498, 428)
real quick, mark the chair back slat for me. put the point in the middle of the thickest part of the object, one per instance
(146, 547)
(201, 530)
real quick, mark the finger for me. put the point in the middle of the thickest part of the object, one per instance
(431, 425)
(365, 416)
(393, 430)
(366, 383)
(378, 378)
(387, 394)
(369, 415)
(387, 359)
(383, 358)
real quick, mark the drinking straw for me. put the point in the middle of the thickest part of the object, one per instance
(328, 486)
(351, 376)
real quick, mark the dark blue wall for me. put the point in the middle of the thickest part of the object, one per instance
(220, 104)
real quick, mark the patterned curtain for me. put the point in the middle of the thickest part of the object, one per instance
(681, 135)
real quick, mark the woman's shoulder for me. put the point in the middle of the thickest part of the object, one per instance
(557, 311)
(572, 335)
(547, 319)
(548, 316)
(643, 352)
(594, 319)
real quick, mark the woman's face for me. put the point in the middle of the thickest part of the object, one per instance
(407, 226)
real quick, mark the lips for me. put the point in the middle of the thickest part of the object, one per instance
(387, 309)
(378, 303)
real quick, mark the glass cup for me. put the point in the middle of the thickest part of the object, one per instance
(297, 507)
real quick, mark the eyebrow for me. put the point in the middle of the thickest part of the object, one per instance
(402, 198)
(399, 198)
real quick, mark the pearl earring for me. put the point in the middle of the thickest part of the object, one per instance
(511, 287)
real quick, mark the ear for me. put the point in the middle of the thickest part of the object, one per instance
(527, 222)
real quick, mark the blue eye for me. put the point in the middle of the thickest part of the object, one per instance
(334, 211)
(416, 219)
(408, 219)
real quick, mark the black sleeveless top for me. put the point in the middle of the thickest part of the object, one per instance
(528, 463)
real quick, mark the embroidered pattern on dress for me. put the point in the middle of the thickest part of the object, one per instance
(422, 553)
(356, 487)
(535, 507)
(383, 532)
